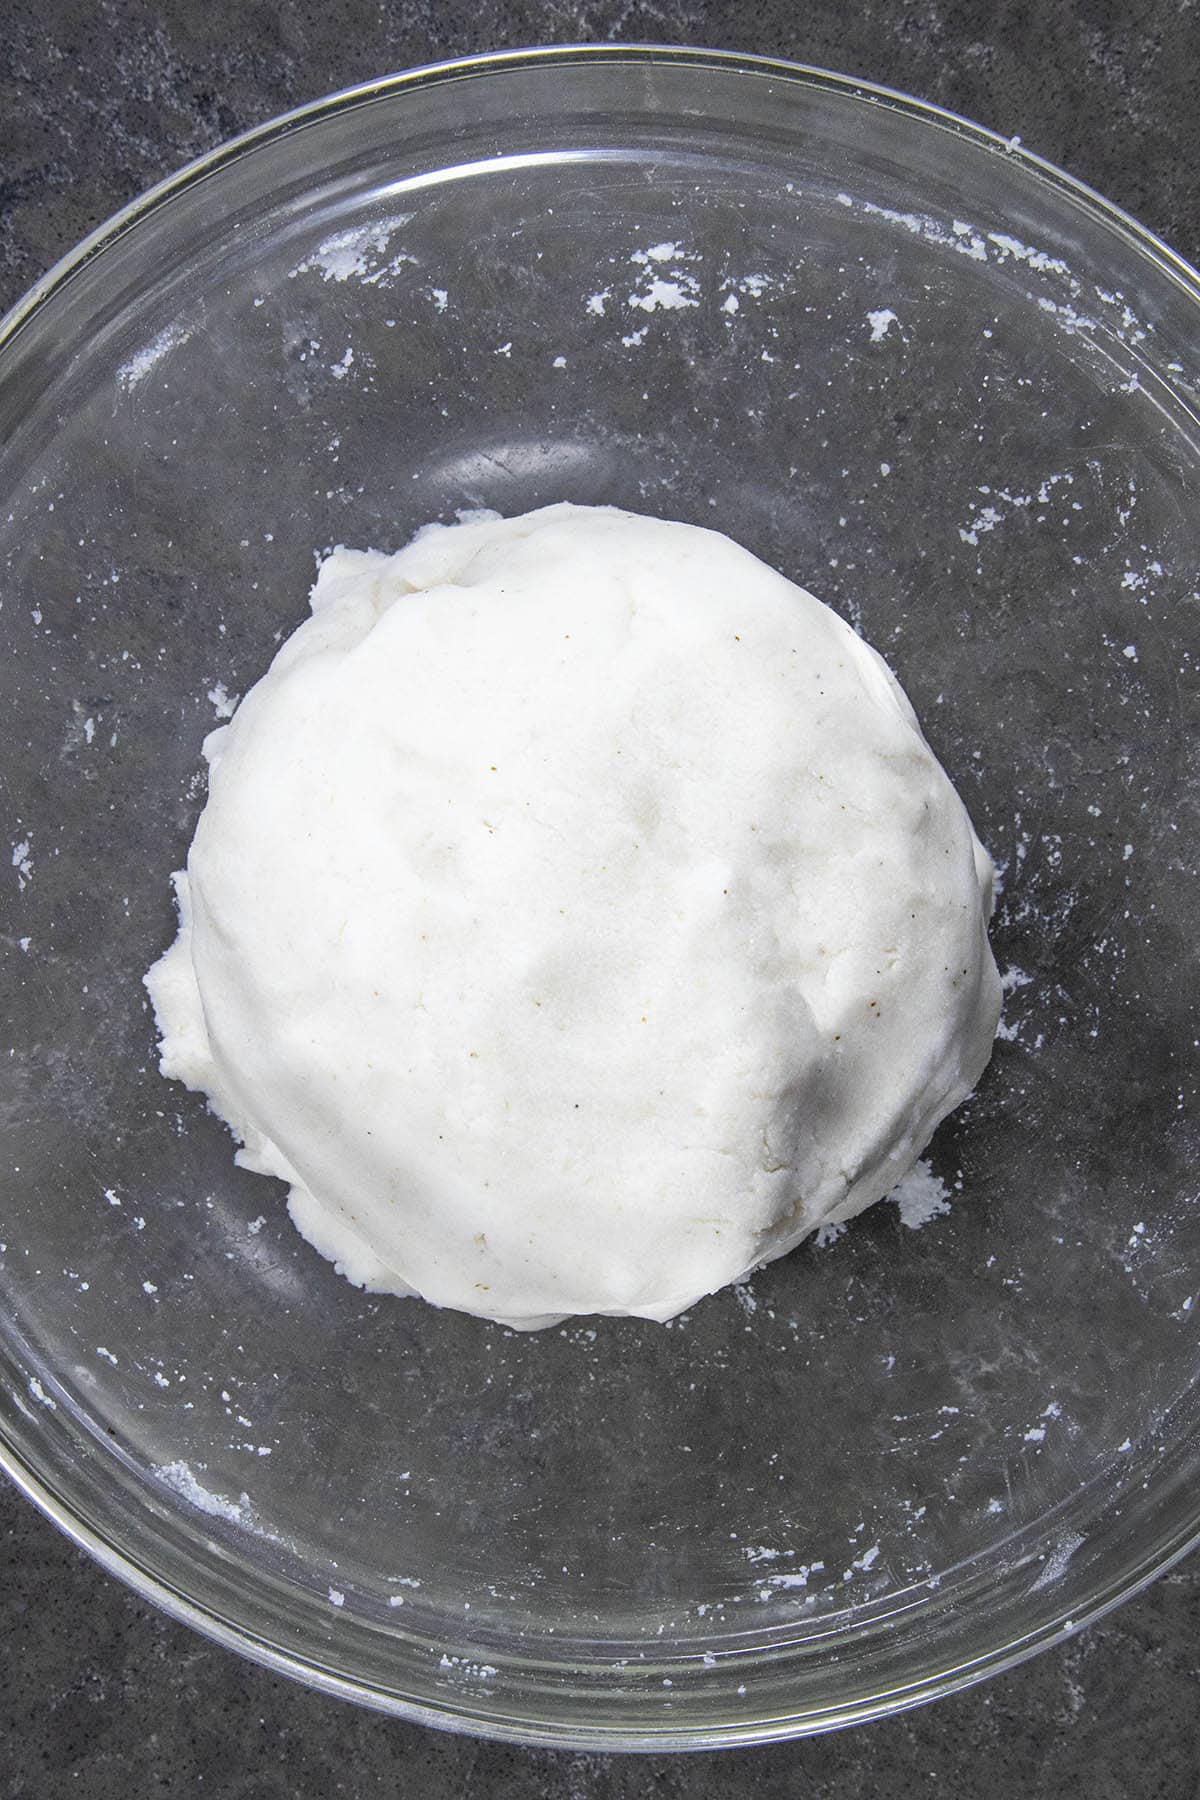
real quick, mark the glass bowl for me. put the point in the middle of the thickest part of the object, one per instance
(951, 391)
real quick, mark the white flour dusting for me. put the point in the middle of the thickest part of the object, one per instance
(921, 1196)
(961, 237)
(355, 253)
(966, 240)
(178, 1475)
(1071, 320)
(150, 355)
(1055, 1564)
(1036, 259)
(667, 296)
(223, 703)
(463, 1665)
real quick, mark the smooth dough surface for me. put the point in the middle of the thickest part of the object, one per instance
(578, 919)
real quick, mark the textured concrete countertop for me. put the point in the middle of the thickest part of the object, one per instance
(100, 1695)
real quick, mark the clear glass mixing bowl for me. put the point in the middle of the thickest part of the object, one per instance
(929, 377)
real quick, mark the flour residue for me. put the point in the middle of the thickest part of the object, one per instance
(996, 505)
(667, 296)
(223, 703)
(180, 1477)
(921, 1196)
(1075, 314)
(150, 355)
(22, 861)
(1056, 1560)
(359, 253)
(960, 236)
(466, 1666)
(666, 284)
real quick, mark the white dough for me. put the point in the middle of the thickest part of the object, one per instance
(577, 920)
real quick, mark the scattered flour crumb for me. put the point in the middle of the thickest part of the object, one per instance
(149, 356)
(667, 296)
(596, 302)
(440, 298)
(881, 323)
(222, 702)
(744, 1295)
(336, 1597)
(1036, 259)
(463, 1665)
(985, 519)
(178, 1475)
(921, 1196)
(22, 861)
(1056, 1562)
(794, 1578)
(349, 253)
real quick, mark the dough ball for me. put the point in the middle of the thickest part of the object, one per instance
(577, 920)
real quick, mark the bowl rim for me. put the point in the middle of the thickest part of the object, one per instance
(1141, 1570)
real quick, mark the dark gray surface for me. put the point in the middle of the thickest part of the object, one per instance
(101, 1696)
